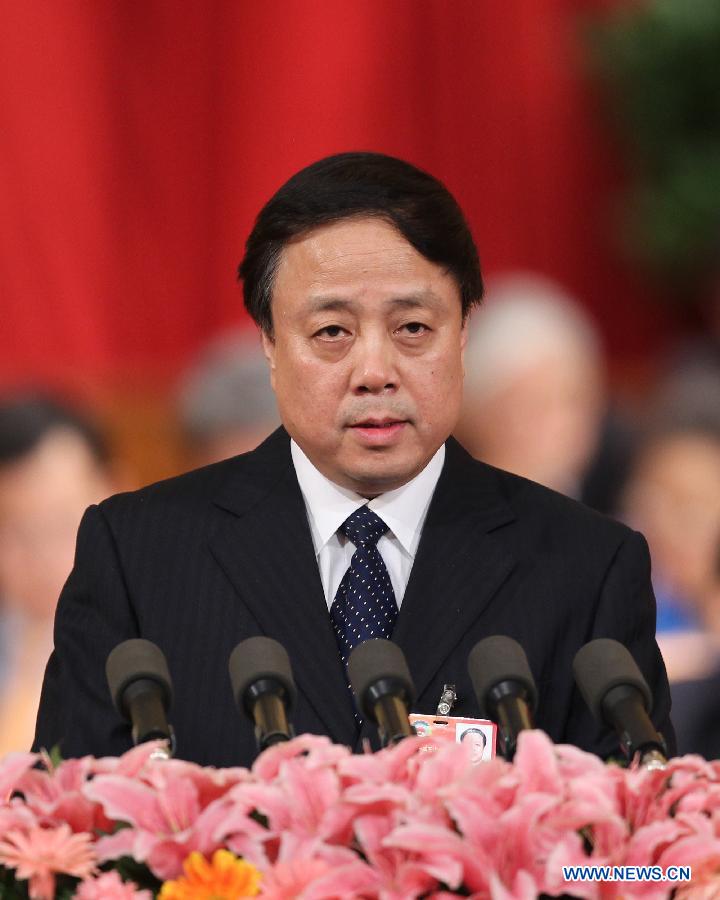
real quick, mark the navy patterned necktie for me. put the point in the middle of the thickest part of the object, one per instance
(364, 606)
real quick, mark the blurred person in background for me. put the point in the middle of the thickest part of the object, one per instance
(673, 497)
(225, 403)
(53, 465)
(534, 400)
(696, 701)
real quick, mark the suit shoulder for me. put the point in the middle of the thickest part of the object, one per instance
(194, 485)
(556, 512)
(196, 488)
(190, 493)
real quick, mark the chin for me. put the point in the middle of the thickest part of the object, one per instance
(379, 479)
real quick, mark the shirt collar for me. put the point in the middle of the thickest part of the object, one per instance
(403, 510)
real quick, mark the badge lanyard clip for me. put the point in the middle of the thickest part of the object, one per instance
(447, 700)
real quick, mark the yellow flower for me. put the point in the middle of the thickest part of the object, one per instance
(225, 878)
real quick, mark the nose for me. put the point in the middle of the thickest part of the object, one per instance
(374, 370)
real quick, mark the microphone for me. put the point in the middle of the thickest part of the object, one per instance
(613, 687)
(383, 687)
(141, 689)
(263, 688)
(504, 687)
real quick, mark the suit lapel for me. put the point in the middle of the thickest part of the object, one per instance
(459, 567)
(264, 545)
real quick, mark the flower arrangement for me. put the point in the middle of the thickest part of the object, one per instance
(313, 821)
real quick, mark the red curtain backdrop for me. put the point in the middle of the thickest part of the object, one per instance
(138, 141)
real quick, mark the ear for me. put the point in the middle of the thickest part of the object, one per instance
(464, 331)
(269, 350)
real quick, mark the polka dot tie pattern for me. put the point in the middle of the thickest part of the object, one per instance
(365, 605)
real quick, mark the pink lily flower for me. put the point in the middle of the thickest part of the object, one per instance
(12, 768)
(166, 818)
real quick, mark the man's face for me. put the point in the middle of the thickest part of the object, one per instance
(366, 353)
(476, 739)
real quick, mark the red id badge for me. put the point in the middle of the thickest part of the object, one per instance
(480, 733)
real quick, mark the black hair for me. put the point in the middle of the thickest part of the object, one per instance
(27, 419)
(351, 185)
(473, 730)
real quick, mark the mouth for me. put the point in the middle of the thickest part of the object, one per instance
(378, 423)
(378, 431)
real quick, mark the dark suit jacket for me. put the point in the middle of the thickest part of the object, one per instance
(696, 715)
(202, 561)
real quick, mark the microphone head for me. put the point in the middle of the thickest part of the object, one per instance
(602, 665)
(494, 660)
(256, 659)
(134, 660)
(375, 661)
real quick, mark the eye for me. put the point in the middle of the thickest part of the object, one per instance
(414, 328)
(330, 333)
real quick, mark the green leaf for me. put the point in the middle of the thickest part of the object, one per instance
(131, 870)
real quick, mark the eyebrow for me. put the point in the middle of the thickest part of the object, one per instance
(409, 301)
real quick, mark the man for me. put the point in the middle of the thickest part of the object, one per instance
(225, 404)
(533, 398)
(361, 273)
(477, 740)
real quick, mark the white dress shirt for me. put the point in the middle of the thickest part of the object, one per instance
(403, 511)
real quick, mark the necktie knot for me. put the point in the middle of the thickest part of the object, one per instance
(364, 527)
